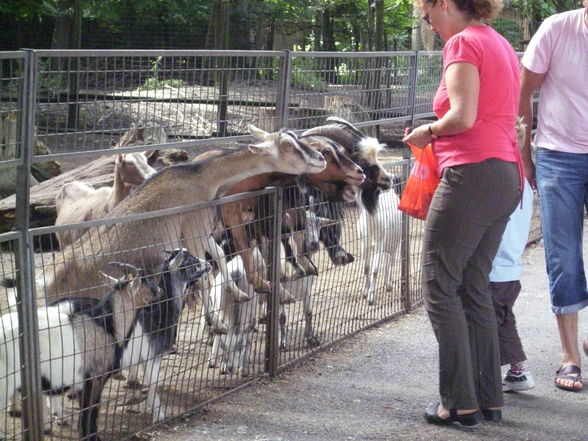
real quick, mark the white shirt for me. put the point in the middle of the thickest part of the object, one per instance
(560, 49)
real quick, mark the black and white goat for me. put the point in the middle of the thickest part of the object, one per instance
(79, 351)
(307, 243)
(233, 349)
(380, 232)
(380, 220)
(155, 332)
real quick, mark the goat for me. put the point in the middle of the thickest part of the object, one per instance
(364, 151)
(307, 242)
(175, 186)
(156, 328)
(233, 349)
(380, 232)
(79, 202)
(339, 170)
(79, 350)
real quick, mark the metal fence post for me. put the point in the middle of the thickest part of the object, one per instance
(273, 305)
(405, 244)
(32, 418)
(282, 100)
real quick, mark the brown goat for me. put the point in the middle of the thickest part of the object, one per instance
(142, 242)
(79, 202)
(234, 215)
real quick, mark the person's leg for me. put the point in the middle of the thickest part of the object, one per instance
(562, 179)
(479, 307)
(504, 296)
(461, 212)
(568, 334)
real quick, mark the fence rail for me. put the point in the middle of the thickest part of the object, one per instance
(72, 106)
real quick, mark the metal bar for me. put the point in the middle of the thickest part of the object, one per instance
(405, 244)
(32, 418)
(283, 95)
(273, 304)
(172, 145)
(149, 53)
(150, 214)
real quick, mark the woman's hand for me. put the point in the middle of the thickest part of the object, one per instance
(419, 137)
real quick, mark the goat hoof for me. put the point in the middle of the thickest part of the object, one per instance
(312, 272)
(119, 376)
(287, 299)
(219, 327)
(134, 384)
(158, 416)
(14, 413)
(265, 288)
(313, 341)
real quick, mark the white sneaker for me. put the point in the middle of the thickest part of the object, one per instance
(517, 381)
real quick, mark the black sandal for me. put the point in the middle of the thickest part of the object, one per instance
(569, 372)
(471, 419)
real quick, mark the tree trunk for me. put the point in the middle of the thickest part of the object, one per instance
(98, 173)
(328, 32)
(317, 30)
(379, 37)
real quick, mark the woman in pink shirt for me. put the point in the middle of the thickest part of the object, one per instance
(474, 141)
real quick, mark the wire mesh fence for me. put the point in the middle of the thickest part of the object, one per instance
(171, 297)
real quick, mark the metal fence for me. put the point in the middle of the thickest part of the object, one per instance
(80, 103)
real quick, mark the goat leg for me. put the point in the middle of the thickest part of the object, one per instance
(90, 407)
(218, 255)
(299, 270)
(152, 376)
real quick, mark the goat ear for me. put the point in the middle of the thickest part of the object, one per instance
(257, 133)
(149, 153)
(108, 280)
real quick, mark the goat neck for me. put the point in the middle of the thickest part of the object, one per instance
(120, 189)
(368, 198)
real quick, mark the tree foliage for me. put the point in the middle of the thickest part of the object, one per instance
(341, 25)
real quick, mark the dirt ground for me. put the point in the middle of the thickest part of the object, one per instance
(376, 385)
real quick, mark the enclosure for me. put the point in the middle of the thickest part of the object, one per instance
(79, 110)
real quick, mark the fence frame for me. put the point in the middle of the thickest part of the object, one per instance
(24, 234)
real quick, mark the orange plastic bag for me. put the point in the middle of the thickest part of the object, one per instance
(422, 183)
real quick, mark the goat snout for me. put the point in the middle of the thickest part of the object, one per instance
(313, 246)
(384, 181)
(355, 176)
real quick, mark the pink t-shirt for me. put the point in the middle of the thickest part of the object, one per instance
(559, 49)
(493, 133)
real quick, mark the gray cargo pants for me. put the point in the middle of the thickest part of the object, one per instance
(466, 220)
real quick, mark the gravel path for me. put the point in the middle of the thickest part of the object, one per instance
(375, 386)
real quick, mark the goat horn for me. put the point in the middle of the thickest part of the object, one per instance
(127, 268)
(346, 124)
(334, 132)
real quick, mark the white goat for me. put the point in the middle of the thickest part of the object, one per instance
(307, 244)
(233, 349)
(78, 350)
(79, 202)
(380, 230)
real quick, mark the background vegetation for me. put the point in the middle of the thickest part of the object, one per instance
(331, 25)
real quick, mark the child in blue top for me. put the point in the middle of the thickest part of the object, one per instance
(505, 287)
